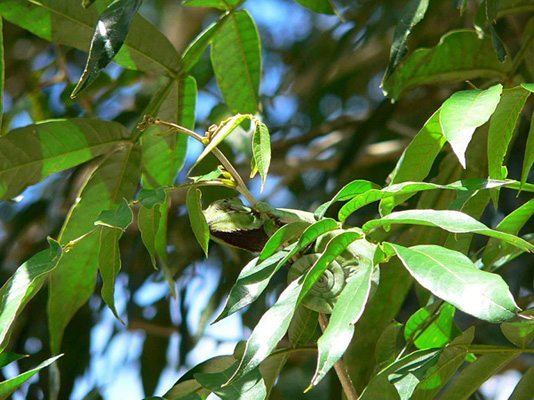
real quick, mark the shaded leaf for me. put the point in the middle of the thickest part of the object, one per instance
(2, 73)
(412, 14)
(198, 220)
(7, 358)
(150, 198)
(152, 226)
(120, 217)
(110, 32)
(261, 150)
(220, 4)
(24, 285)
(68, 23)
(10, 385)
(452, 276)
(196, 48)
(389, 344)
(524, 390)
(236, 59)
(529, 153)
(109, 265)
(452, 221)
(303, 326)
(319, 6)
(463, 112)
(34, 152)
(520, 333)
(460, 55)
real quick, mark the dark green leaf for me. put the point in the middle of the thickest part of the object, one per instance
(36, 151)
(282, 237)
(520, 333)
(236, 59)
(110, 33)
(24, 285)
(319, 6)
(109, 264)
(412, 14)
(68, 23)
(2, 73)
(72, 282)
(220, 4)
(7, 358)
(303, 326)
(524, 390)
(261, 150)
(431, 327)
(459, 55)
(120, 217)
(198, 220)
(150, 225)
(465, 111)
(452, 221)
(389, 345)
(248, 387)
(347, 192)
(150, 198)
(10, 385)
(453, 277)
(529, 153)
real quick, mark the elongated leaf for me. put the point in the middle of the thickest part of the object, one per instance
(120, 217)
(261, 150)
(68, 23)
(474, 375)
(520, 333)
(465, 111)
(150, 224)
(2, 73)
(282, 236)
(389, 345)
(319, 6)
(248, 387)
(303, 326)
(452, 221)
(347, 311)
(220, 4)
(109, 264)
(269, 330)
(450, 359)
(10, 385)
(72, 282)
(416, 160)
(7, 358)
(34, 152)
(529, 153)
(236, 59)
(412, 14)
(459, 55)
(198, 220)
(523, 390)
(429, 328)
(110, 32)
(225, 128)
(23, 285)
(163, 151)
(452, 276)
(194, 51)
(347, 192)
(502, 126)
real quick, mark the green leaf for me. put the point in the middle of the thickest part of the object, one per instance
(119, 217)
(2, 73)
(319, 6)
(502, 126)
(36, 151)
(412, 14)
(450, 359)
(164, 155)
(528, 86)
(347, 311)
(198, 220)
(529, 153)
(285, 234)
(151, 198)
(261, 150)
(465, 111)
(347, 192)
(23, 286)
(10, 385)
(110, 32)
(109, 264)
(389, 345)
(87, 3)
(7, 358)
(248, 387)
(68, 23)
(429, 328)
(236, 59)
(220, 4)
(520, 333)
(416, 160)
(452, 221)
(72, 282)
(453, 277)
(523, 390)
(512, 224)
(152, 226)
(223, 130)
(196, 48)
(303, 326)
(475, 374)
(460, 55)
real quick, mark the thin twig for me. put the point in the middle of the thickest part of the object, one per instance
(339, 367)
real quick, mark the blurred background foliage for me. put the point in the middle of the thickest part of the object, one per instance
(330, 124)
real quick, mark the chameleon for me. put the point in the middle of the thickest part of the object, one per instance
(235, 224)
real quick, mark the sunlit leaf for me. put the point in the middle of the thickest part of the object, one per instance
(24, 285)
(119, 217)
(347, 192)
(453, 277)
(10, 385)
(150, 198)
(236, 59)
(463, 112)
(7, 358)
(199, 225)
(412, 14)
(110, 32)
(193, 52)
(459, 55)
(282, 236)
(36, 151)
(261, 150)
